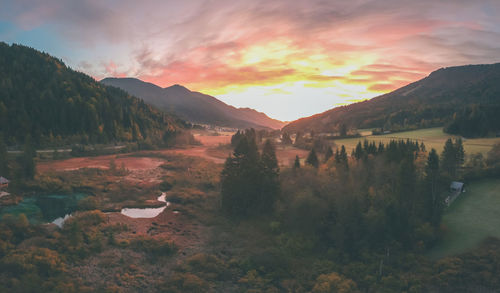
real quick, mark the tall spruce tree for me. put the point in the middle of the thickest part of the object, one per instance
(312, 159)
(4, 164)
(459, 153)
(270, 185)
(406, 199)
(343, 157)
(434, 204)
(296, 164)
(328, 154)
(235, 139)
(249, 181)
(449, 158)
(28, 162)
(359, 152)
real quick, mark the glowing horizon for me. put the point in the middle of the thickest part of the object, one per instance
(288, 59)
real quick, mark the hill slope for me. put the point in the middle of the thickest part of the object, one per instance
(194, 106)
(42, 97)
(431, 101)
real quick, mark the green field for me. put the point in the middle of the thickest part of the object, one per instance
(432, 138)
(474, 216)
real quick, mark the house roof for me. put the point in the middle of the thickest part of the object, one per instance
(456, 185)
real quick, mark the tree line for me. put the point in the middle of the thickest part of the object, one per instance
(42, 97)
(379, 195)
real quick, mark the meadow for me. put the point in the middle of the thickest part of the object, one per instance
(472, 218)
(432, 138)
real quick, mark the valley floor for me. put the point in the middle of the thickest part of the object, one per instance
(431, 137)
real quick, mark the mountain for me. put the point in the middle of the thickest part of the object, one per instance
(41, 96)
(435, 100)
(194, 106)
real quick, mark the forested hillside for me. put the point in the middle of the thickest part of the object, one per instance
(41, 96)
(446, 96)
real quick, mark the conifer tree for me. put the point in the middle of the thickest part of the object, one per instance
(296, 164)
(359, 152)
(270, 184)
(250, 181)
(433, 204)
(422, 147)
(328, 154)
(4, 164)
(449, 158)
(381, 148)
(28, 163)
(343, 157)
(312, 159)
(460, 152)
(235, 139)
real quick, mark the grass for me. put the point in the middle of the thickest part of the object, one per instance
(432, 138)
(474, 216)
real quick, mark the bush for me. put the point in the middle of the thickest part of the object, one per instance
(185, 282)
(166, 186)
(334, 282)
(154, 247)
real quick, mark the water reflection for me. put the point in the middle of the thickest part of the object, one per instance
(146, 212)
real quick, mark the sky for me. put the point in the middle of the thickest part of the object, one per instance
(286, 58)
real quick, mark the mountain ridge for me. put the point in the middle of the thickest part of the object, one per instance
(430, 101)
(42, 97)
(194, 106)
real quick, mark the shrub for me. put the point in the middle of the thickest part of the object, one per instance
(154, 247)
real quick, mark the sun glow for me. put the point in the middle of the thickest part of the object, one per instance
(296, 79)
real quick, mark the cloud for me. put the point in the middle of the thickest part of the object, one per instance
(363, 47)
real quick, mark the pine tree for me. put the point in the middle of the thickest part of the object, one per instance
(4, 164)
(312, 159)
(249, 181)
(239, 179)
(433, 206)
(296, 164)
(328, 154)
(359, 152)
(235, 139)
(449, 158)
(337, 156)
(270, 184)
(422, 146)
(406, 197)
(343, 157)
(460, 153)
(28, 163)
(381, 148)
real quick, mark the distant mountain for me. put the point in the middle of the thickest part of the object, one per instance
(42, 97)
(194, 106)
(436, 100)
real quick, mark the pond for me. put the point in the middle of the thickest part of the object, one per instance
(146, 212)
(41, 209)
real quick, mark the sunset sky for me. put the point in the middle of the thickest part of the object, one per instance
(286, 58)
